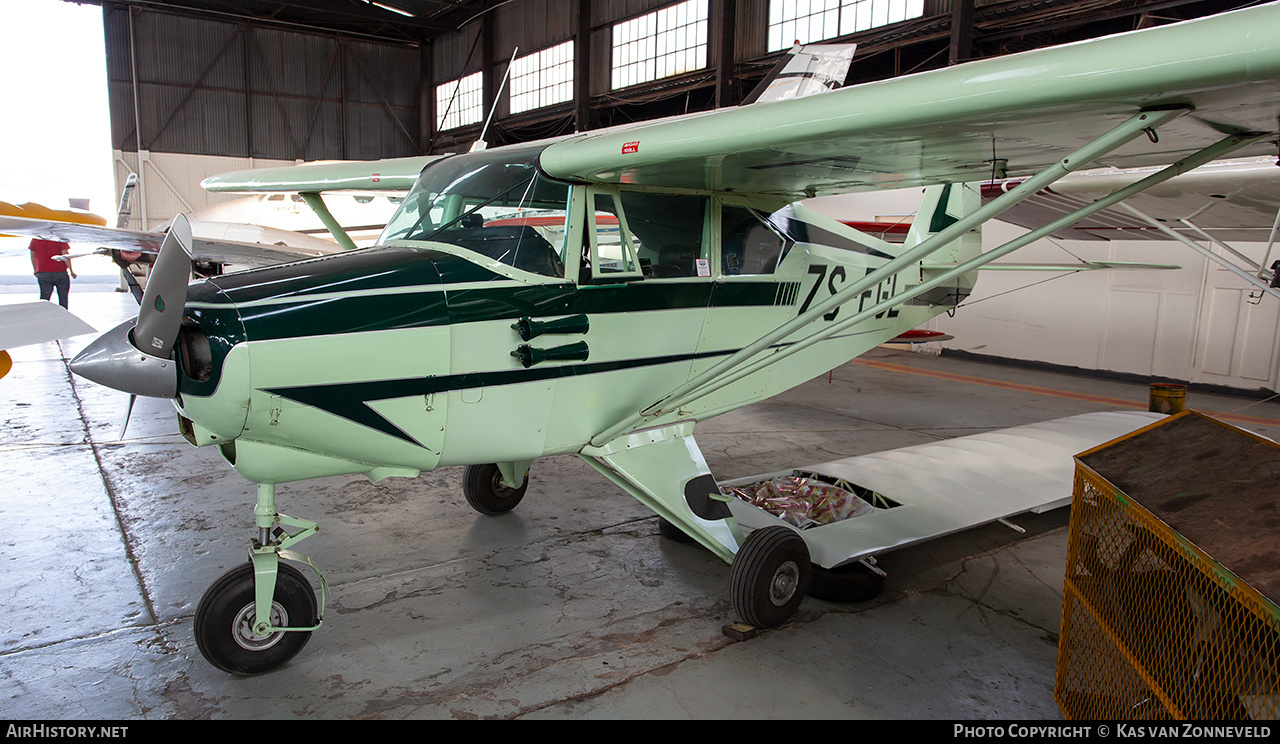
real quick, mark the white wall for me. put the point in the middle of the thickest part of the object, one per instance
(1198, 323)
(169, 183)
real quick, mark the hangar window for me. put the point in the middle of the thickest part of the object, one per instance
(667, 42)
(807, 21)
(542, 78)
(460, 102)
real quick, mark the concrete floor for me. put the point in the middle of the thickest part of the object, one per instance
(571, 607)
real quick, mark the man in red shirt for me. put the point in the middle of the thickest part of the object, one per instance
(51, 273)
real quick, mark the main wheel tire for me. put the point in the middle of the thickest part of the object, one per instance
(669, 530)
(486, 493)
(852, 583)
(769, 576)
(225, 618)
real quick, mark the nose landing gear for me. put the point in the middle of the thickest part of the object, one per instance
(226, 619)
(259, 615)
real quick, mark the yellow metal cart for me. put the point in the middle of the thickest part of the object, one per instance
(1173, 576)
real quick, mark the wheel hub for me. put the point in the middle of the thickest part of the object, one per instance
(784, 584)
(500, 488)
(242, 628)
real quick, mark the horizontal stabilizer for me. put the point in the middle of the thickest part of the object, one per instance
(37, 322)
(1232, 200)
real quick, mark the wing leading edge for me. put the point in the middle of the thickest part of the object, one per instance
(219, 251)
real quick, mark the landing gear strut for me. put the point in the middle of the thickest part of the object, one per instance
(260, 614)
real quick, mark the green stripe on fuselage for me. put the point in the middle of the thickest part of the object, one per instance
(397, 288)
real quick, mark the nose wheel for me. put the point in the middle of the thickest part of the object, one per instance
(769, 576)
(226, 624)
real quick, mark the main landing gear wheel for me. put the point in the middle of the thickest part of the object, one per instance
(852, 583)
(485, 490)
(769, 576)
(670, 531)
(225, 618)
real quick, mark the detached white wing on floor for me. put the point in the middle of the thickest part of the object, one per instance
(952, 485)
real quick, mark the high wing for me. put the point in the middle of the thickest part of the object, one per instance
(1006, 116)
(1232, 200)
(1174, 97)
(935, 489)
(240, 245)
(312, 180)
(392, 174)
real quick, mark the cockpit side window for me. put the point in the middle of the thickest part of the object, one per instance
(749, 245)
(669, 230)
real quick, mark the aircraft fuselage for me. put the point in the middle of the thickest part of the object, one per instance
(400, 358)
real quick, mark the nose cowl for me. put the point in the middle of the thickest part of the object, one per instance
(112, 360)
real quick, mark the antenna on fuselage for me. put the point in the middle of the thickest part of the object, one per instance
(480, 144)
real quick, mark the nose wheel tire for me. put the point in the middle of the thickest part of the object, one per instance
(769, 576)
(485, 491)
(225, 618)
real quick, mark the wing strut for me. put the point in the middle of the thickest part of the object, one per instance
(1221, 260)
(731, 368)
(316, 202)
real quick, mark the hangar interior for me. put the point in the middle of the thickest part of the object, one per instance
(575, 607)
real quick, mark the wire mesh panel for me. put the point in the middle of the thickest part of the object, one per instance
(1153, 627)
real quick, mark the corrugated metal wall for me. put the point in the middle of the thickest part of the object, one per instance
(216, 85)
(211, 87)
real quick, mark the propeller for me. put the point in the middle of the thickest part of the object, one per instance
(113, 359)
(160, 314)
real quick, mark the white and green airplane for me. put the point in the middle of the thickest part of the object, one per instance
(601, 293)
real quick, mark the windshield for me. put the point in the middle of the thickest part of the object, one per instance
(494, 203)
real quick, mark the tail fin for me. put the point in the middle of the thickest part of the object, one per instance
(126, 201)
(940, 207)
(803, 71)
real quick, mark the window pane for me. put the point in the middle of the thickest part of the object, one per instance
(535, 77)
(666, 42)
(668, 231)
(459, 102)
(748, 245)
(808, 21)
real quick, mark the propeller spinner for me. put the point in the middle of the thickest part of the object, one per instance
(136, 356)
